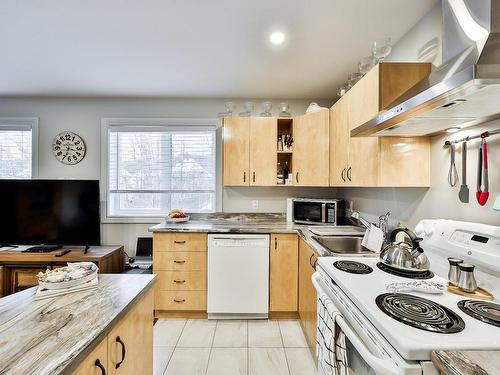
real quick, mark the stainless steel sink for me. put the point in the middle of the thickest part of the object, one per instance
(343, 244)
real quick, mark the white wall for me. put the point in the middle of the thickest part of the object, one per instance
(83, 115)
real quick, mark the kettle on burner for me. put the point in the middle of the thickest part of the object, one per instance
(406, 256)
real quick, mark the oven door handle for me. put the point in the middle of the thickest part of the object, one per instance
(384, 366)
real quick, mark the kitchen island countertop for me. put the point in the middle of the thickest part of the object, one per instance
(53, 335)
(477, 362)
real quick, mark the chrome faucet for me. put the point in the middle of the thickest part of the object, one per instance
(357, 216)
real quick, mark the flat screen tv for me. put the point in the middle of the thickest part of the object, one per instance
(62, 212)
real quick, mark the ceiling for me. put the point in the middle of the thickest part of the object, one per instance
(191, 48)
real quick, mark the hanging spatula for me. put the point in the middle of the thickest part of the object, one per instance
(463, 194)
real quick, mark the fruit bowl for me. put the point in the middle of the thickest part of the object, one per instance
(177, 219)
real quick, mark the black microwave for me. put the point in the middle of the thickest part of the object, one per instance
(318, 211)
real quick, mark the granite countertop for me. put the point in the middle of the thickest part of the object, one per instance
(242, 223)
(475, 362)
(52, 336)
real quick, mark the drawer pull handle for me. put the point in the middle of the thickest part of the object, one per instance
(180, 242)
(179, 281)
(119, 341)
(101, 367)
(179, 300)
(180, 261)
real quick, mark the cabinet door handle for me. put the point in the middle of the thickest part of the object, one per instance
(179, 261)
(179, 300)
(180, 242)
(253, 177)
(179, 281)
(343, 174)
(297, 177)
(275, 243)
(244, 176)
(119, 341)
(349, 174)
(313, 265)
(98, 363)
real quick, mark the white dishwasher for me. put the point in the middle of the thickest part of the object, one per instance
(238, 276)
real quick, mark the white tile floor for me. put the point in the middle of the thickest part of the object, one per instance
(228, 347)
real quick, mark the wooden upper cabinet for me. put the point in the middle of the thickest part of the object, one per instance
(236, 151)
(377, 161)
(283, 279)
(311, 149)
(263, 157)
(339, 142)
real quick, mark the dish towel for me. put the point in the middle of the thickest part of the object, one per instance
(331, 345)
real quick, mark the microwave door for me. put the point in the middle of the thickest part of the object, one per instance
(308, 212)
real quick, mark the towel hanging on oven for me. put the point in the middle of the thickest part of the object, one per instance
(331, 348)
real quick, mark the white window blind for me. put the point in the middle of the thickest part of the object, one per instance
(16, 150)
(152, 169)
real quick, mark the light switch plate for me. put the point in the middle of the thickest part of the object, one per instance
(255, 204)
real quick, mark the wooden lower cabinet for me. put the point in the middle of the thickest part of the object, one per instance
(130, 342)
(96, 362)
(128, 348)
(307, 293)
(180, 262)
(283, 273)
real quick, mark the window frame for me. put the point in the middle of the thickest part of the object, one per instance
(157, 123)
(21, 122)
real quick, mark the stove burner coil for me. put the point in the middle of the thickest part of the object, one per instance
(420, 313)
(408, 274)
(487, 312)
(353, 267)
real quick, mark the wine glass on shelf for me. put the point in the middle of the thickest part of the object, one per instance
(366, 64)
(229, 110)
(267, 109)
(341, 90)
(248, 109)
(284, 107)
(382, 48)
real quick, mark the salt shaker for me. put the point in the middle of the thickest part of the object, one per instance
(467, 281)
(454, 271)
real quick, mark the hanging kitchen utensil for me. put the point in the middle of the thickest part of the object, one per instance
(452, 173)
(482, 192)
(463, 194)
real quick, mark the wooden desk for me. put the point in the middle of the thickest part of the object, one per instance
(18, 270)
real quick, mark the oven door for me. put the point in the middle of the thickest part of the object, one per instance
(366, 351)
(309, 212)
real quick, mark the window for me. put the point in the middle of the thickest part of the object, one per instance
(18, 139)
(153, 167)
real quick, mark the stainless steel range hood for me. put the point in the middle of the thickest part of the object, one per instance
(462, 92)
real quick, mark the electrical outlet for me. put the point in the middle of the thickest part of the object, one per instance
(255, 204)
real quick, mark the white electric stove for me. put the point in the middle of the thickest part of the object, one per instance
(379, 338)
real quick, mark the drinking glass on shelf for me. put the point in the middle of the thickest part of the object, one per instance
(353, 78)
(366, 64)
(267, 109)
(248, 109)
(382, 48)
(229, 110)
(342, 90)
(284, 110)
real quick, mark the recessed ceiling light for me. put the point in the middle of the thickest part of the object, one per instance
(452, 129)
(277, 38)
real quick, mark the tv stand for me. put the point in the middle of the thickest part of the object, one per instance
(42, 249)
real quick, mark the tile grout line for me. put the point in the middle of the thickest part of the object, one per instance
(175, 347)
(211, 346)
(284, 349)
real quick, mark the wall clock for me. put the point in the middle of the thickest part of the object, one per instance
(69, 148)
